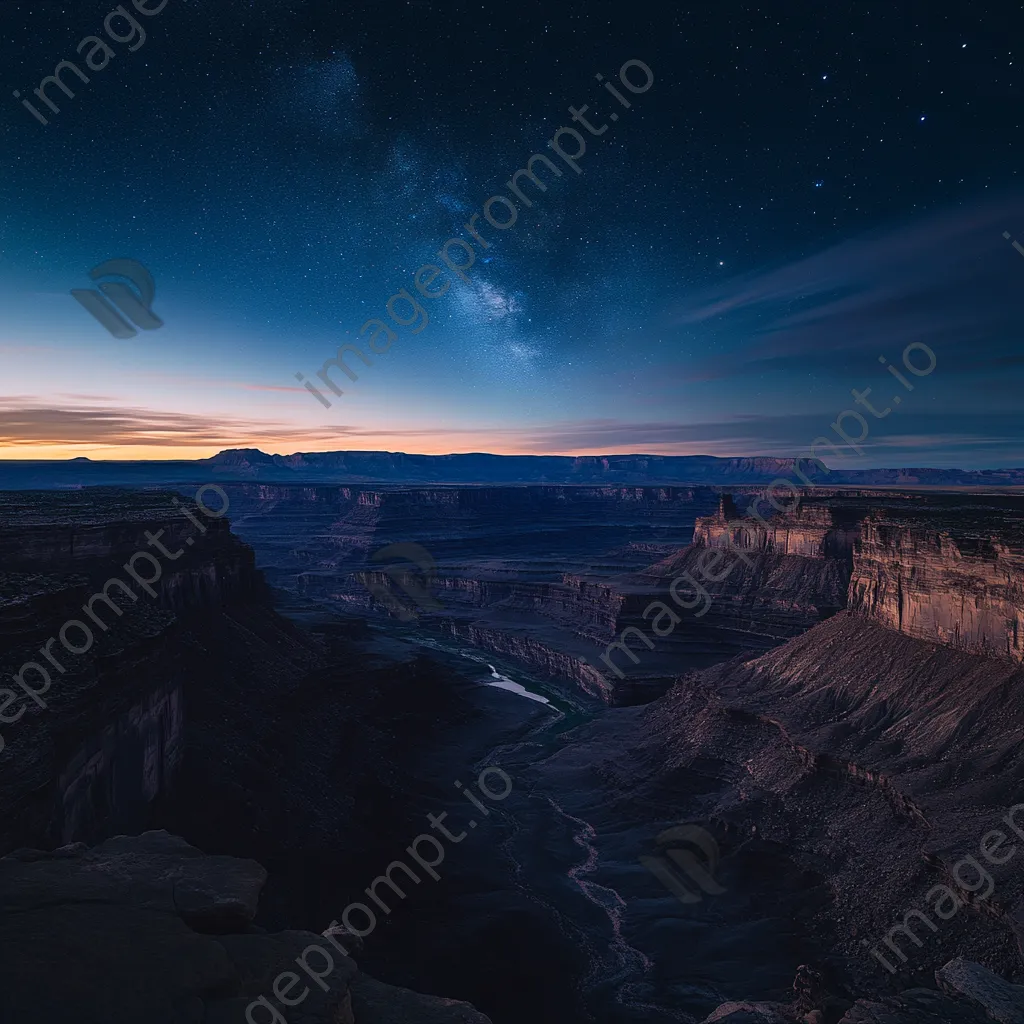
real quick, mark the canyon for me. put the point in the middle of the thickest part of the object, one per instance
(843, 720)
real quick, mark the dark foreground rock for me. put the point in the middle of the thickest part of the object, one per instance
(968, 994)
(149, 929)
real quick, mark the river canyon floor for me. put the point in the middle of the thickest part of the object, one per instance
(842, 725)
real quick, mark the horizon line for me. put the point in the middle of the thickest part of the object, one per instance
(517, 455)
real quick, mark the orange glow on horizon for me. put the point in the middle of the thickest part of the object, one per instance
(417, 445)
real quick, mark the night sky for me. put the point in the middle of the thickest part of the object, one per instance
(804, 188)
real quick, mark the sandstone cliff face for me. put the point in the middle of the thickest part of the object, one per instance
(957, 586)
(786, 574)
(91, 535)
(842, 775)
(123, 767)
(811, 531)
(948, 569)
(107, 739)
(545, 659)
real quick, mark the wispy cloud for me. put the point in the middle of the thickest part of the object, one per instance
(27, 423)
(217, 383)
(992, 439)
(945, 280)
(33, 429)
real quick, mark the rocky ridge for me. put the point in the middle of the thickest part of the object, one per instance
(341, 467)
(844, 774)
(148, 928)
(201, 705)
(106, 739)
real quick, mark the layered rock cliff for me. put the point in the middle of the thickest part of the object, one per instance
(812, 530)
(859, 785)
(525, 571)
(114, 655)
(194, 704)
(954, 582)
(784, 574)
(938, 567)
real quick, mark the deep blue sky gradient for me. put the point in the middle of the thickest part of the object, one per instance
(804, 189)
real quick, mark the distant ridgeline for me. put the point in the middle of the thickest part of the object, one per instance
(476, 468)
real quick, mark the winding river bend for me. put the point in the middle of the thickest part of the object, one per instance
(557, 945)
(545, 911)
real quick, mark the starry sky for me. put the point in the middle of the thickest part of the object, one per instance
(804, 189)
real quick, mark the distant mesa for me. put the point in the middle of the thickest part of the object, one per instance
(480, 468)
(239, 457)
